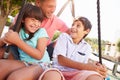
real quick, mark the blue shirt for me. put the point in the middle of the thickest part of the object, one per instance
(33, 43)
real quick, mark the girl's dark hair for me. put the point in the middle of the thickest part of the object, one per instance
(31, 11)
(86, 23)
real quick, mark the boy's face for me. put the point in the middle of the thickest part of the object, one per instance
(77, 30)
(48, 7)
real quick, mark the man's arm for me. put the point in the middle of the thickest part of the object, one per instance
(2, 49)
(2, 42)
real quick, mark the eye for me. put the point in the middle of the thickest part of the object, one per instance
(78, 25)
(73, 24)
(32, 19)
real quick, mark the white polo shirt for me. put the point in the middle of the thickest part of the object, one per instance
(77, 52)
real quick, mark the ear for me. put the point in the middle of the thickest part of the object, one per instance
(87, 31)
(37, 3)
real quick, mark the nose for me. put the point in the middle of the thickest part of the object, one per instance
(36, 23)
(73, 26)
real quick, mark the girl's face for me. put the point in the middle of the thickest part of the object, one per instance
(31, 25)
(77, 30)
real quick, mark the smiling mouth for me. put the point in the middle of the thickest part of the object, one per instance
(34, 27)
(73, 31)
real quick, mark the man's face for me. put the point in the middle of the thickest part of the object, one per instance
(48, 7)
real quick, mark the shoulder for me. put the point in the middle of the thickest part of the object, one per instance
(86, 44)
(59, 24)
(41, 33)
(65, 35)
(41, 30)
(57, 19)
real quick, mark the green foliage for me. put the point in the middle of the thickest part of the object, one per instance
(14, 12)
(56, 35)
(17, 5)
(94, 43)
(8, 23)
(9, 7)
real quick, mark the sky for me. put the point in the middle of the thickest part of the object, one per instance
(109, 16)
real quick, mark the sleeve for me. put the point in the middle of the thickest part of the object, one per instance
(62, 27)
(42, 33)
(61, 46)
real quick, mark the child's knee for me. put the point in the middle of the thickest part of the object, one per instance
(94, 77)
(14, 76)
(52, 75)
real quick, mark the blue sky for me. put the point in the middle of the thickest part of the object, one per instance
(110, 15)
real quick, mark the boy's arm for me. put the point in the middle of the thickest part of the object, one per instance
(64, 61)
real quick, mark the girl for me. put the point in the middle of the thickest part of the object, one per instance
(71, 54)
(31, 44)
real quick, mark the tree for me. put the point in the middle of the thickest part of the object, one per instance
(7, 7)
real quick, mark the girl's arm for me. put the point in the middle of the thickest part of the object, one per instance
(37, 53)
(64, 61)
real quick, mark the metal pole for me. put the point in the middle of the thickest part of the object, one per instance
(99, 31)
(63, 7)
(73, 9)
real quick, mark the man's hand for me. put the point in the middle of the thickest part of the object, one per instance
(11, 37)
(2, 51)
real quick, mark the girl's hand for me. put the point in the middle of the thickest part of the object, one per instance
(11, 37)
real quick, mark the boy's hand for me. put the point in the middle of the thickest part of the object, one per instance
(95, 66)
(102, 69)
